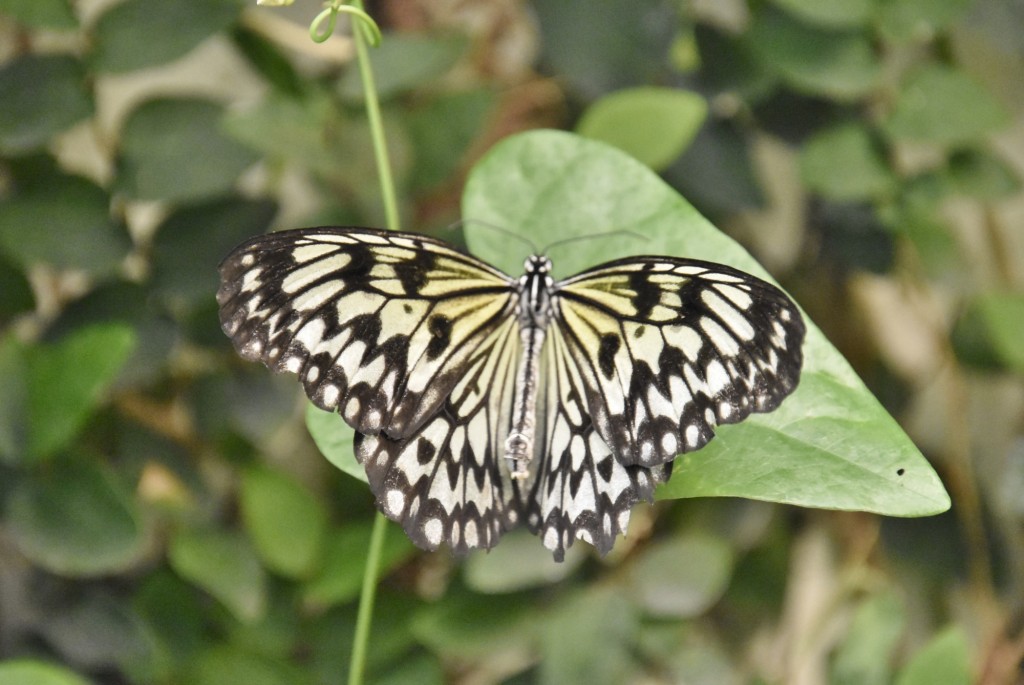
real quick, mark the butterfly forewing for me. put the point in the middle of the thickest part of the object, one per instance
(377, 325)
(669, 348)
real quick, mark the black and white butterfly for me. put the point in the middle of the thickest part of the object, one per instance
(482, 401)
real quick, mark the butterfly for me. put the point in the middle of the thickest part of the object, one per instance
(481, 401)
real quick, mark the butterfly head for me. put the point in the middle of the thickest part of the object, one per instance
(535, 287)
(537, 265)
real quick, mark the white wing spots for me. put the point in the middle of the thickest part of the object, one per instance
(646, 346)
(329, 395)
(470, 535)
(317, 297)
(721, 339)
(737, 296)
(395, 502)
(433, 529)
(709, 416)
(302, 277)
(337, 238)
(624, 520)
(292, 364)
(724, 410)
(687, 339)
(307, 253)
(723, 277)
(248, 260)
(669, 444)
(734, 319)
(352, 408)
(251, 280)
(551, 538)
(361, 302)
(312, 374)
(692, 435)
(646, 451)
(717, 378)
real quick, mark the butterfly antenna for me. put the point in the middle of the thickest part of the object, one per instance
(500, 229)
(589, 236)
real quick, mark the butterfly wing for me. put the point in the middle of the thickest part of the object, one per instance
(580, 489)
(378, 325)
(669, 348)
(445, 483)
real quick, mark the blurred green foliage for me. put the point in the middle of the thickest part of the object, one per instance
(164, 516)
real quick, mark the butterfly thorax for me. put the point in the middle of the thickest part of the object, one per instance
(533, 312)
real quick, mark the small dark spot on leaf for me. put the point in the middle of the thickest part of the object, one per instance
(900, 471)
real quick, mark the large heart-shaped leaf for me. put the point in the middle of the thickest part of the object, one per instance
(830, 444)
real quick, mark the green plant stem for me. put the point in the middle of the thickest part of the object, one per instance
(357, 665)
(380, 148)
(364, 619)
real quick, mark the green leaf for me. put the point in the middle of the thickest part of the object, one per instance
(829, 445)
(210, 229)
(341, 575)
(682, 577)
(138, 33)
(75, 519)
(830, 13)
(602, 45)
(838, 65)
(983, 175)
(844, 163)
(654, 125)
(906, 20)
(42, 95)
(944, 105)
(599, 618)
(14, 430)
(865, 656)
(519, 563)
(442, 132)
(943, 661)
(464, 624)
(66, 380)
(64, 221)
(333, 437)
(404, 62)
(231, 665)
(174, 150)
(1002, 316)
(285, 522)
(41, 14)
(18, 296)
(31, 672)
(225, 565)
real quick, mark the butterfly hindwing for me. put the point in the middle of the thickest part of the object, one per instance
(581, 490)
(377, 325)
(446, 483)
(669, 348)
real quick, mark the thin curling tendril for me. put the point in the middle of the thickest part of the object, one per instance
(324, 23)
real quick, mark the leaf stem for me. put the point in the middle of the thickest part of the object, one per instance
(367, 596)
(380, 148)
(357, 664)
